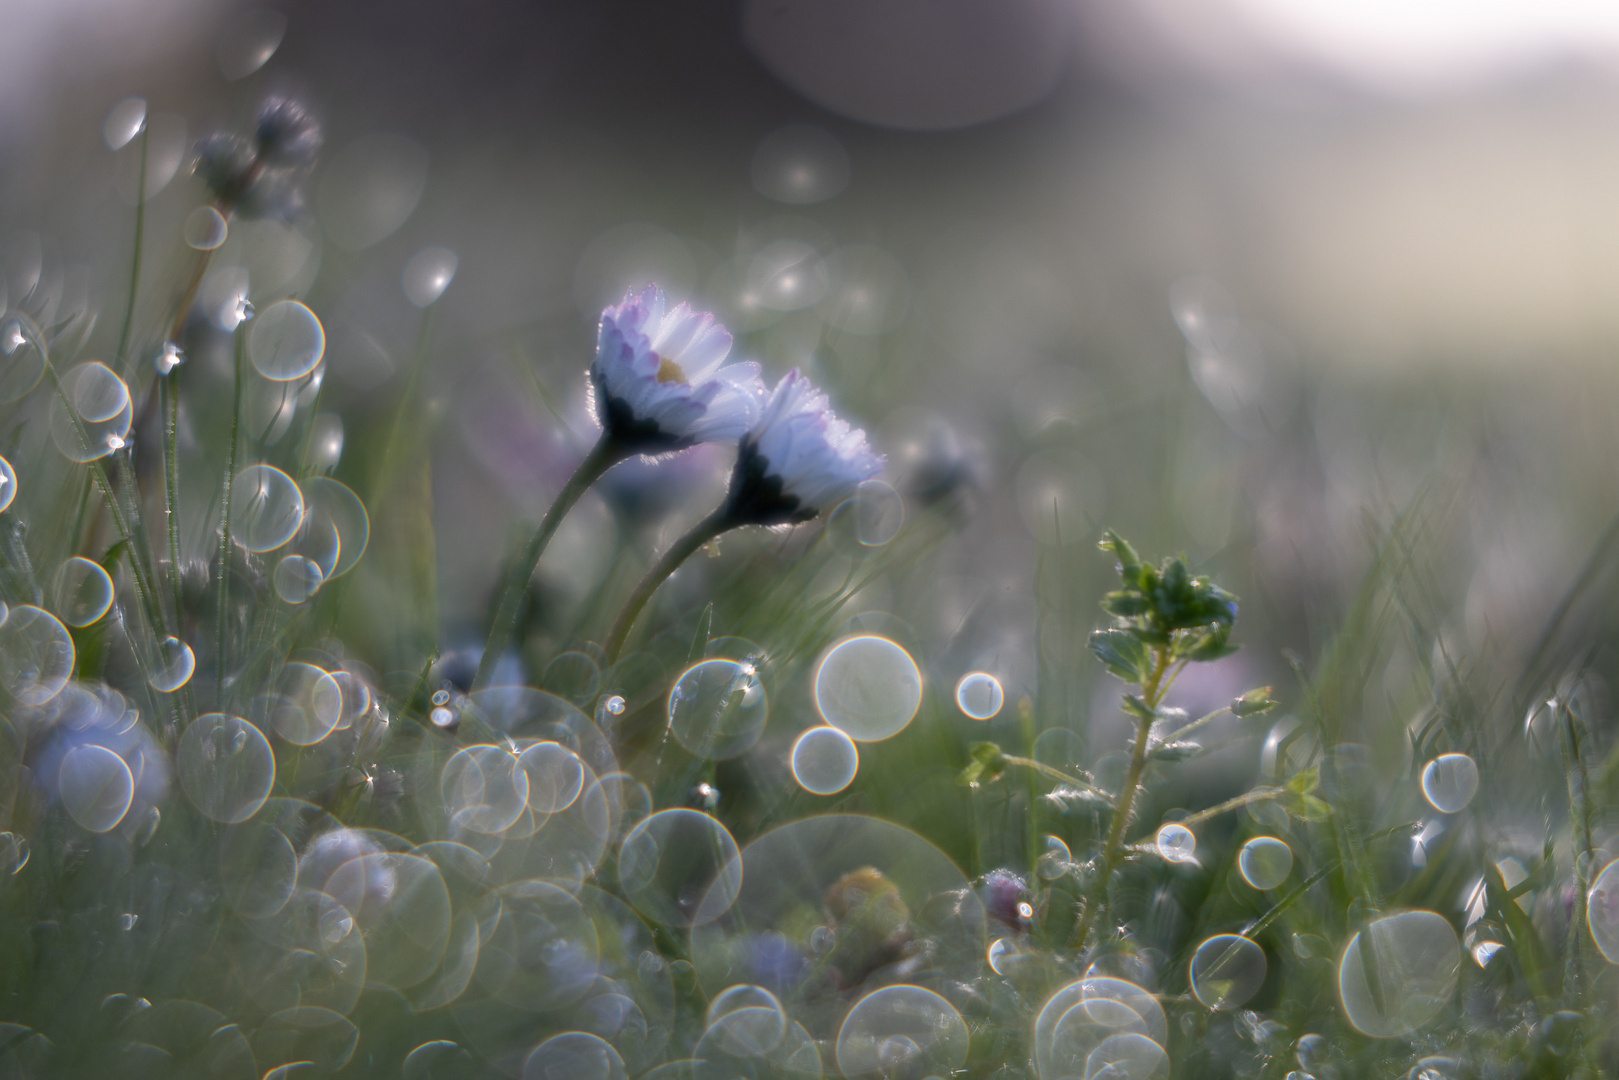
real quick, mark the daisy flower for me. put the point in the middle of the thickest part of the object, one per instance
(660, 380)
(798, 460)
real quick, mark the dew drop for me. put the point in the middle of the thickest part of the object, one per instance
(96, 786)
(1602, 911)
(174, 666)
(1265, 862)
(101, 415)
(14, 852)
(36, 655)
(824, 760)
(226, 767)
(427, 274)
(8, 485)
(1176, 843)
(266, 508)
(84, 592)
(1055, 859)
(168, 358)
(297, 578)
(1399, 973)
(979, 695)
(441, 717)
(124, 121)
(718, 708)
(1227, 970)
(286, 342)
(615, 705)
(249, 41)
(1449, 782)
(205, 229)
(868, 686)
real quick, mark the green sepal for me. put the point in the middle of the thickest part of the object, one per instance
(1254, 702)
(1179, 750)
(1304, 781)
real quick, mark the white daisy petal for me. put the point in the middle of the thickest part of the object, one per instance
(797, 443)
(658, 380)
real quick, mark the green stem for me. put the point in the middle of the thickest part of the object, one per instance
(135, 268)
(171, 484)
(98, 473)
(1055, 774)
(1150, 693)
(189, 296)
(1256, 795)
(681, 550)
(1574, 769)
(603, 456)
(224, 525)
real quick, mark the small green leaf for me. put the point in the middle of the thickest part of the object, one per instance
(1126, 604)
(1138, 708)
(1254, 702)
(1308, 807)
(1304, 781)
(987, 765)
(1124, 654)
(1129, 561)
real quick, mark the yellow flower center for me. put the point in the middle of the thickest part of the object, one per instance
(669, 371)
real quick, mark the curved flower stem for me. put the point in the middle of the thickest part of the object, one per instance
(681, 550)
(603, 456)
(224, 523)
(171, 484)
(135, 270)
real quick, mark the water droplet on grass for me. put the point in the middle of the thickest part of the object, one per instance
(96, 786)
(101, 413)
(869, 687)
(902, 1030)
(427, 274)
(680, 868)
(286, 342)
(226, 767)
(124, 121)
(249, 41)
(297, 578)
(1227, 970)
(1449, 782)
(84, 592)
(979, 695)
(174, 665)
(266, 508)
(1176, 843)
(1399, 973)
(1265, 862)
(718, 708)
(1055, 859)
(205, 229)
(36, 655)
(1602, 911)
(824, 760)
